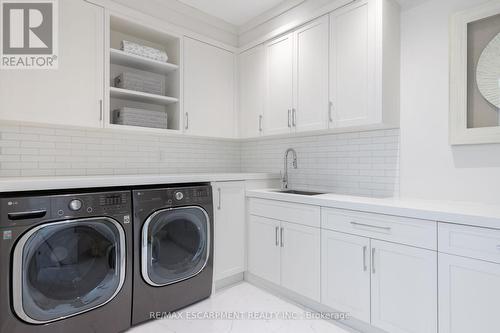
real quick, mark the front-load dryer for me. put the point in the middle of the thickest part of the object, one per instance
(173, 246)
(65, 263)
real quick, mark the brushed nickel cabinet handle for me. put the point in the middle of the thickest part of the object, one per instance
(101, 111)
(373, 260)
(276, 235)
(187, 121)
(260, 123)
(220, 199)
(357, 224)
(294, 117)
(289, 118)
(364, 258)
(281, 237)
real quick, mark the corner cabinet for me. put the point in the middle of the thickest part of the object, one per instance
(339, 72)
(73, 93)
(209, 90)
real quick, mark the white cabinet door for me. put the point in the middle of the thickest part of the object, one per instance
(469, 291)
(311, 76)
(404, 288)
(71, 94)
(345, 273)
(229, 234)
(252, 65)
(352, 65)
(263, 248)
(300, 259)
(279, 98)
(209, 85)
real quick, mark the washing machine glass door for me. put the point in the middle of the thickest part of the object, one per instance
(65, 268)
(175, 245)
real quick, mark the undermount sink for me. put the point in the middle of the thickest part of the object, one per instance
(298, 192)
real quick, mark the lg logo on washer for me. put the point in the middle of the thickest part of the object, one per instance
(29, 34)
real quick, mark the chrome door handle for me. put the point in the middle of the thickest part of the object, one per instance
(220, 199)
(276, 231)
(373, 260)
(260, 123)
(187, 121)
(289, 117)
(281, 237)
(364, 258)
(370, 226)
(330, 108)
(294, 117)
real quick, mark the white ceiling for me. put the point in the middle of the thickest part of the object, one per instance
(237, 12)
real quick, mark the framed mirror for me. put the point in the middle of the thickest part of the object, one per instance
(475, 75)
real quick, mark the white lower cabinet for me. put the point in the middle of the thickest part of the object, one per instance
(403, 288)
(229, 212)
(285, 254)
(391, 286)
(264, 248)
(300, 259)
(345, 273)
(469, 291)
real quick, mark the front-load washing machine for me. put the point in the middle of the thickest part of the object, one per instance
(173, 246)
(65, 262)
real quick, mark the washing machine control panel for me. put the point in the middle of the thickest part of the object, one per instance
(109, 203)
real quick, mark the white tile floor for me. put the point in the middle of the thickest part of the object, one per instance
(242, 299)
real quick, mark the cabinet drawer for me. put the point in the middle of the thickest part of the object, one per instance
(472, 242)
(286, 211)
(414, 232)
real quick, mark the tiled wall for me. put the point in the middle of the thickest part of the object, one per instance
(365, 163)
(54, 151)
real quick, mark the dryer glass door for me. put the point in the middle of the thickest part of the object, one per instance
(175, 245)
(65, 268)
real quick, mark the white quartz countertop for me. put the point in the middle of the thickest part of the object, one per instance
(476, 214)
(59, 183)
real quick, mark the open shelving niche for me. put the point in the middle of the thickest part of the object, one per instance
(119, 62)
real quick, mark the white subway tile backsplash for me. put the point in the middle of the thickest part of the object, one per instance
(364, 163)
(51, 150)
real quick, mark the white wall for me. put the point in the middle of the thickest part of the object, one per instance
(430, 168)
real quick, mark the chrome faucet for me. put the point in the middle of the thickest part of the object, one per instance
(284, 179)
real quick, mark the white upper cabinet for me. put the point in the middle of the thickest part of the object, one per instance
(279, 75)
(310, 111)
(209, 90)
(352, 66)
(71, 94)
(364, 64)
(404, 288)
(251, 91)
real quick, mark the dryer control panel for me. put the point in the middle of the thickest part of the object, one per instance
(28, 209)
